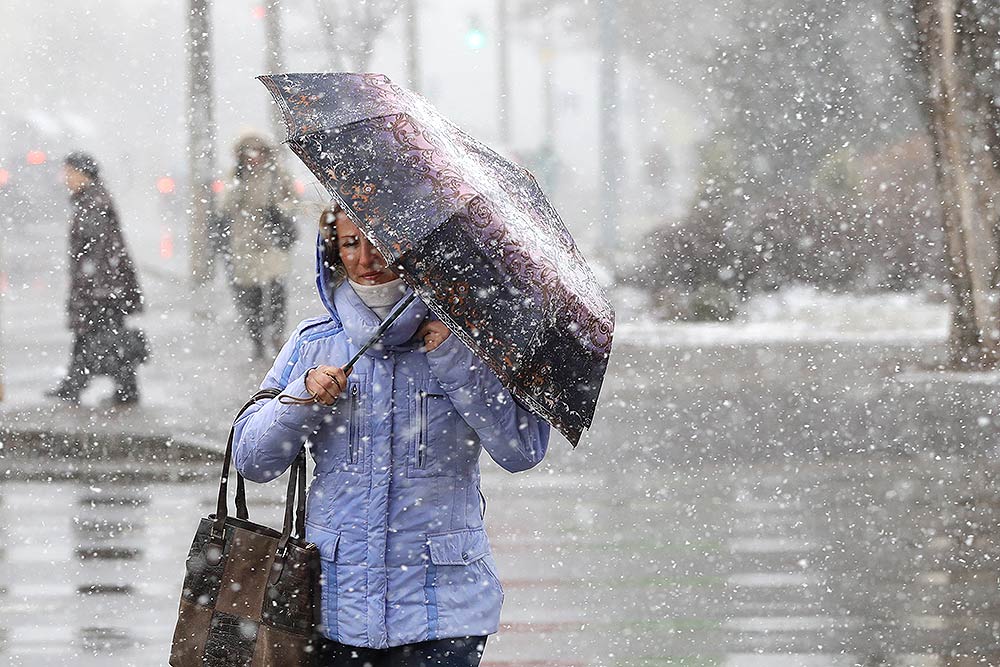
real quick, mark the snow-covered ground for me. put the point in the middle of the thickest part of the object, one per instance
(792, 315)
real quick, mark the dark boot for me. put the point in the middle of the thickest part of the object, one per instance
(127, 392)
(77, 376)
(125, 396)
(65, 392)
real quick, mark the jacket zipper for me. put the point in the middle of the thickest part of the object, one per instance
(354, 426)
(423, 440)
(422, 430)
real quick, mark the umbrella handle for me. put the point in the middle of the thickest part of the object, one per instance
(386, 323)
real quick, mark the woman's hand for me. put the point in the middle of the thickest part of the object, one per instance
(433, 333)
(326, 383)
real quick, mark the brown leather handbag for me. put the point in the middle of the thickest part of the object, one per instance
(251, 594)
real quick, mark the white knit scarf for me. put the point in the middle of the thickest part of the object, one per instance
(380, 298)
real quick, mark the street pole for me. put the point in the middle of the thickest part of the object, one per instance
(547, 158)
(609, 139)
(504, 75)
(201, 139)
(547, 56)
(413, 45)
(274, 65)
(2, 358)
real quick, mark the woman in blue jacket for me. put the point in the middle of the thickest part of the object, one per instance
(394, 506)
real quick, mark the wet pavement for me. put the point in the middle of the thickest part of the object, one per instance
(790, 500)
(754, 505)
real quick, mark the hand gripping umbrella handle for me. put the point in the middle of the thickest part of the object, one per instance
(382, 328)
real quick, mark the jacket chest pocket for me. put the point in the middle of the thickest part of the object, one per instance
(432, 450)
(341, 441)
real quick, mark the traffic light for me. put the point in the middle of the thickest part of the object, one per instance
(475, 38)
(165, 185)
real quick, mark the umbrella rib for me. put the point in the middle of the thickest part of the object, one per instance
(279, 98)
(304, 135)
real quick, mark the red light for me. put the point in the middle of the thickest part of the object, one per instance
(218, 186)
(35, 157)
(167, 244)
(4, 177)
(300, 187)
(165, 185)
(259, 11)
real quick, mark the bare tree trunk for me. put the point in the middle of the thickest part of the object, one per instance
(961, 117)
(369, 27)
(413, 45)
(350, 30)
(329, 41)
(3, 359)
(503, 78)
(609, 136)
(201, 138)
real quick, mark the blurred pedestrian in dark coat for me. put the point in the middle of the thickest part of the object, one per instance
(103, 290)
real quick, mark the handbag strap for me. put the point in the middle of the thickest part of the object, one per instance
(295, 497)
(299, 472)
(222, 509)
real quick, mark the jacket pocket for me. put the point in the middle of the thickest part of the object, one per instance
(458, 547)
(339, 445)
(428, 403)
(431, 450)
(462, 591)
(355, 422)
(328, 542)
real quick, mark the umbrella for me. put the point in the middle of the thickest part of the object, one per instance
(470, 231)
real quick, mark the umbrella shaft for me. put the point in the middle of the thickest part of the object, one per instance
(386, 323)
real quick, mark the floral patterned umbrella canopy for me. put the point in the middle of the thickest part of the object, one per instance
(470, 231)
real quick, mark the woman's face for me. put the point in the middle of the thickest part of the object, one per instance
(75, 179)
(252, 158)
(362, 262)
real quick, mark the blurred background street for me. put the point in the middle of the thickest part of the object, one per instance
(791, 205)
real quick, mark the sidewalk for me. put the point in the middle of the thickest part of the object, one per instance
(199, 375)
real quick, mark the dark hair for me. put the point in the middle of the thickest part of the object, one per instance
(328, 237)
(83, 163)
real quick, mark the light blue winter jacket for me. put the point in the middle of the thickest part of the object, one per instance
(394, 505)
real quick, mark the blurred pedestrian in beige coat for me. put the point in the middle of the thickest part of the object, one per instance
(257, 215)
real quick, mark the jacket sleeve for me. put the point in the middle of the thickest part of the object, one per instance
(270, 434)
(514, 437)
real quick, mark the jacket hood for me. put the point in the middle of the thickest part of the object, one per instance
(358, 320)
(324, 284)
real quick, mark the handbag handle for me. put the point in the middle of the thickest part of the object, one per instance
(297, 480)
(296, 493)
